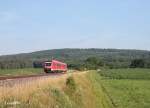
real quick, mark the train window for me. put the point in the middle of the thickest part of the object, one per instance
(47, 64)
(58, 65)
(54, 64)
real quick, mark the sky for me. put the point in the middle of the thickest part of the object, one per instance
(33, 25)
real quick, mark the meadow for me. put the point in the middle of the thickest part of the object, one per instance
(25, 71)
(127, 88)
(137, 73)
(108, 88)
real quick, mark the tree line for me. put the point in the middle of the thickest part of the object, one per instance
(89, 63)
(95, 63)
(80, 59)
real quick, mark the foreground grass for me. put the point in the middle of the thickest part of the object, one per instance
(102, 99)
(76, 90)
(129, 93)
(116, 88)
(26, 71)
(128, 88)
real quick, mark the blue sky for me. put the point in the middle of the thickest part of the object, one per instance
(31, 25)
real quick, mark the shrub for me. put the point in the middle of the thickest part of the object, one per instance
(71, 83)
(137, 63)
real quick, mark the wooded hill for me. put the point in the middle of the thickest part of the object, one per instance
(111, 58)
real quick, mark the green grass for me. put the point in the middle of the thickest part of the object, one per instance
(101, 98)
(125, 89)
(114, 88)
(129, 93)
(26, 71)
(126, 73)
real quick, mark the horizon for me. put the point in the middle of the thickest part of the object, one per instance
(71, 49)
(30, 26)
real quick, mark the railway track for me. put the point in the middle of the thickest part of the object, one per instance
(29, 76)
(10, 81)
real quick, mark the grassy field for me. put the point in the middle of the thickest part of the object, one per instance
(114, 88)
(126, 74)
(75, 90)
(26, 71)
(128, 88)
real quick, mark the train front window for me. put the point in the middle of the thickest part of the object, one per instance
(47, 64)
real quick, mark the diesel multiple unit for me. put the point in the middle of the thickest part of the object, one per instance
(54, 66)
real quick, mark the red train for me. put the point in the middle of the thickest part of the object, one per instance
(55, 66)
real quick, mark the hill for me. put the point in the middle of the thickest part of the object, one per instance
(110, 57)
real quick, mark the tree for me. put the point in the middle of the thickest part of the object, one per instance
(37, 64)
(93, 63)
(137, 63)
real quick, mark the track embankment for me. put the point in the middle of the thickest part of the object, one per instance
(71, 90)
(13, 80)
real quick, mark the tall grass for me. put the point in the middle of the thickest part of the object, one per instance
(31, 93)
(76, 90)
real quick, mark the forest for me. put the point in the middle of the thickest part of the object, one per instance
(79, 58)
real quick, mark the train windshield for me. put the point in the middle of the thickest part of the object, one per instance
(47, 64)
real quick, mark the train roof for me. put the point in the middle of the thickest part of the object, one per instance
(58, 62)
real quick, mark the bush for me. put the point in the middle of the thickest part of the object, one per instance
(93, 63)
(137, 63)
(71, 83)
